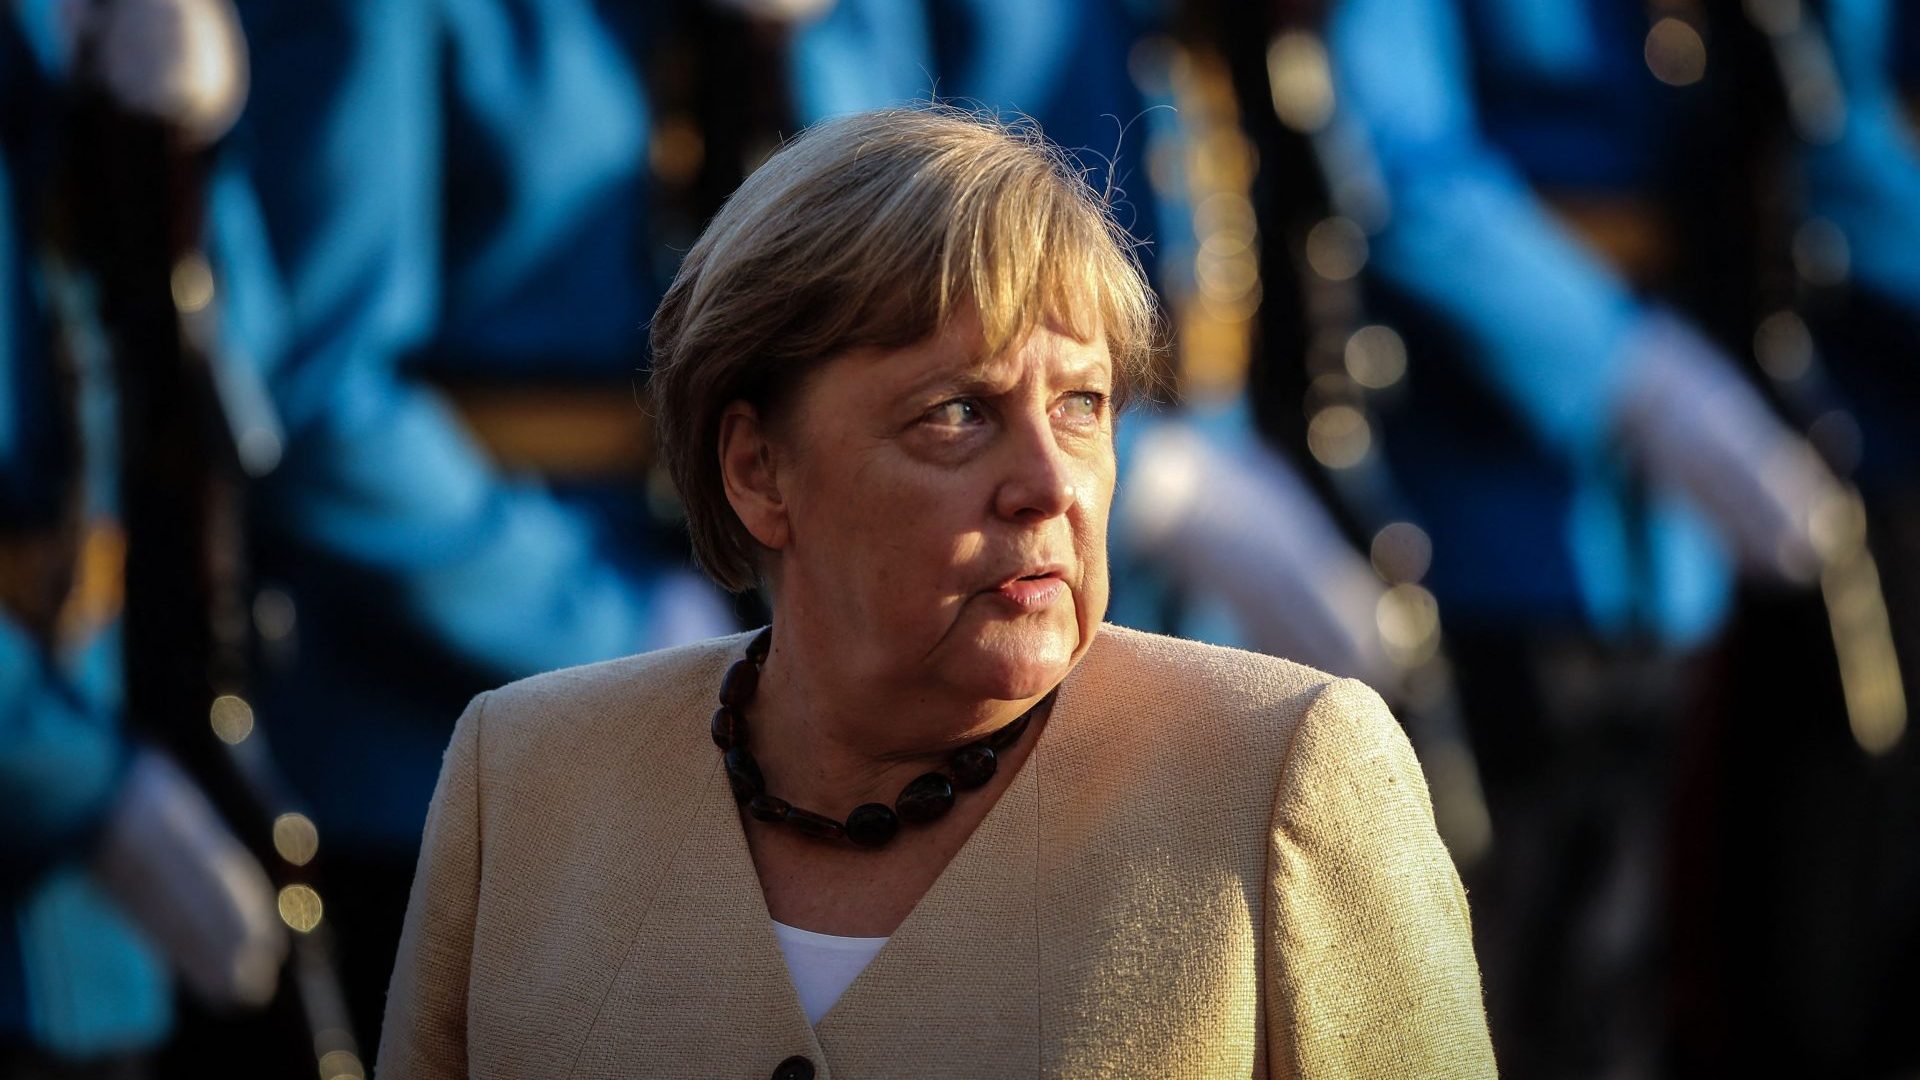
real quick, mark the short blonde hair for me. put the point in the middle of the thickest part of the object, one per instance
(875, 230)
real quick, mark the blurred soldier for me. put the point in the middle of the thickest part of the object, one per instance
(1814, 971)
(428, 193)
(1592, 467)
(115, 872)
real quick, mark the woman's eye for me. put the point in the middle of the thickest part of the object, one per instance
(957, 413)
(1082, 405)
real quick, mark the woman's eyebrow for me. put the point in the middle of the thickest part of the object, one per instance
(987, 377)
(976, 378)
(1093, 369)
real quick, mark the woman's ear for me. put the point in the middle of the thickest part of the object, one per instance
(749, 469)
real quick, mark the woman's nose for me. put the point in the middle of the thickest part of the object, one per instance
(1040, 480)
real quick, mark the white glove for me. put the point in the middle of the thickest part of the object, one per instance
(1695, 424)
(1246, 529)
(183, 878)
(183, 61)
(778, 10)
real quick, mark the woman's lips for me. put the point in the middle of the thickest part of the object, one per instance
(1033, 593)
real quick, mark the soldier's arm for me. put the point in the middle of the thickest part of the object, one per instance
(1546, 322)
(1867, 180)
(327, 228)
(62, 758)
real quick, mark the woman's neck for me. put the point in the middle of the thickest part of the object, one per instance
(830, 742)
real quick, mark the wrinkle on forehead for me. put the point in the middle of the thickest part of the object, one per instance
(961, 354)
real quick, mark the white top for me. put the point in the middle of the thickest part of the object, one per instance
(822, 965)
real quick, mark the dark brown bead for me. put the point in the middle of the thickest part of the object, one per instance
(768, 807)
(728, 728)
(927, 797)
(973, 765)
(761, 644)
(872, 824)
(794, 1068)
(816, 825)
(743, 773)
(743, 678)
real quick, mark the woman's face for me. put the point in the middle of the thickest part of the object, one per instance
(945, 514)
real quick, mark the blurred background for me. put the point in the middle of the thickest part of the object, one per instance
(1549, 364)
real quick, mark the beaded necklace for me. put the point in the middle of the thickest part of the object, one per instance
(926, 797)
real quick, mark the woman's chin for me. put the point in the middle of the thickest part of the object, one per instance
(1016, 661)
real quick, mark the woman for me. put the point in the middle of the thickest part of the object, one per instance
(942, 822)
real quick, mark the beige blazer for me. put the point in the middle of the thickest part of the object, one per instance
(1213, 864)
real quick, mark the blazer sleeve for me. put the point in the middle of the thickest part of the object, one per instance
(1370, 968)
(425, 1030)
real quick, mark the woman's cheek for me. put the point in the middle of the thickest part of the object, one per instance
(944, 447)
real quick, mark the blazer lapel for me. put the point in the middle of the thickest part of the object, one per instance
(703, 989)
(956, 989)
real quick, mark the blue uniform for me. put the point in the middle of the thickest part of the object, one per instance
(1470, 106)
(76, 980)
(1553, 563)
(1552, 533)
(446, 186)
(1867, 182)
(1061, 62)
(454, 186)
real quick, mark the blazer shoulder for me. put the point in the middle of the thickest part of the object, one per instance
(594, 707)
(1252, 700)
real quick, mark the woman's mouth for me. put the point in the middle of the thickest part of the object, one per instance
(1033, 592)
